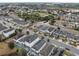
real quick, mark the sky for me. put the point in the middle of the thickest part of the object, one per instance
(62, 1)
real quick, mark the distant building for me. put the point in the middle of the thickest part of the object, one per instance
(45, 29)
(57, 32)
(20, 22)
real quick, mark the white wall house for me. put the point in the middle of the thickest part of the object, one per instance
(8, 32)
(34, 44)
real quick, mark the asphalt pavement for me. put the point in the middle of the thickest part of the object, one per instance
(63, 45)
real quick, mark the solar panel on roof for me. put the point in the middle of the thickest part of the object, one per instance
(42, 27)
(62, 32)
(29, 39)
(57, 31)
(70, 35)
(19, 21)
(46, 50)
(50, 29)
(39, 44)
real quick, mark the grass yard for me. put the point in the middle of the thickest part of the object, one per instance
(67, 53)
(43, 14)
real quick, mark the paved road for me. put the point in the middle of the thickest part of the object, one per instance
(63, 45)
(60, 44)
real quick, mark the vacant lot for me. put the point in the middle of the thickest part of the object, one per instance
(5, 50)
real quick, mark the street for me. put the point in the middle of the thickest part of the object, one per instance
(60, 44)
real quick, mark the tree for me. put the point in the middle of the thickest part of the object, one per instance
(0, 38)
(46, 18)
(21, 52)
(52, 21)
(24, 52)
(19, 14)
(35, 16)
(48, 40)
(64, 39)
(42, 37)
(27, 32)
(11, 45)
(57, 37)
(73, 43)
(32, 21)
(20, 30)
(58, 28)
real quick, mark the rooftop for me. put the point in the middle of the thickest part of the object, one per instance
(46, 50)
(57, 52)
(67, 34)
(2, 27)
(39, 44)
(22, 22)
(29, 38)
(8, 30)
(50, 29)
(42, 27)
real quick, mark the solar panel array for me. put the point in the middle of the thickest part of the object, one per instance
(28, 39)
(58, 32)
(39, 44)
(22, 22)
(46, 50)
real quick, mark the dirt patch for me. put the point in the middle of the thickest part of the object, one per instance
(5, 50)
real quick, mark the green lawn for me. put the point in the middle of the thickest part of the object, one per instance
(67, 53)
(43, 14)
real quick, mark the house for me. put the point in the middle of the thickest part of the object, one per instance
(57, 52)
(34, 45)
(46, 29)
(8, 32)
(57, 32)
(20, 22)
(2, 28)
